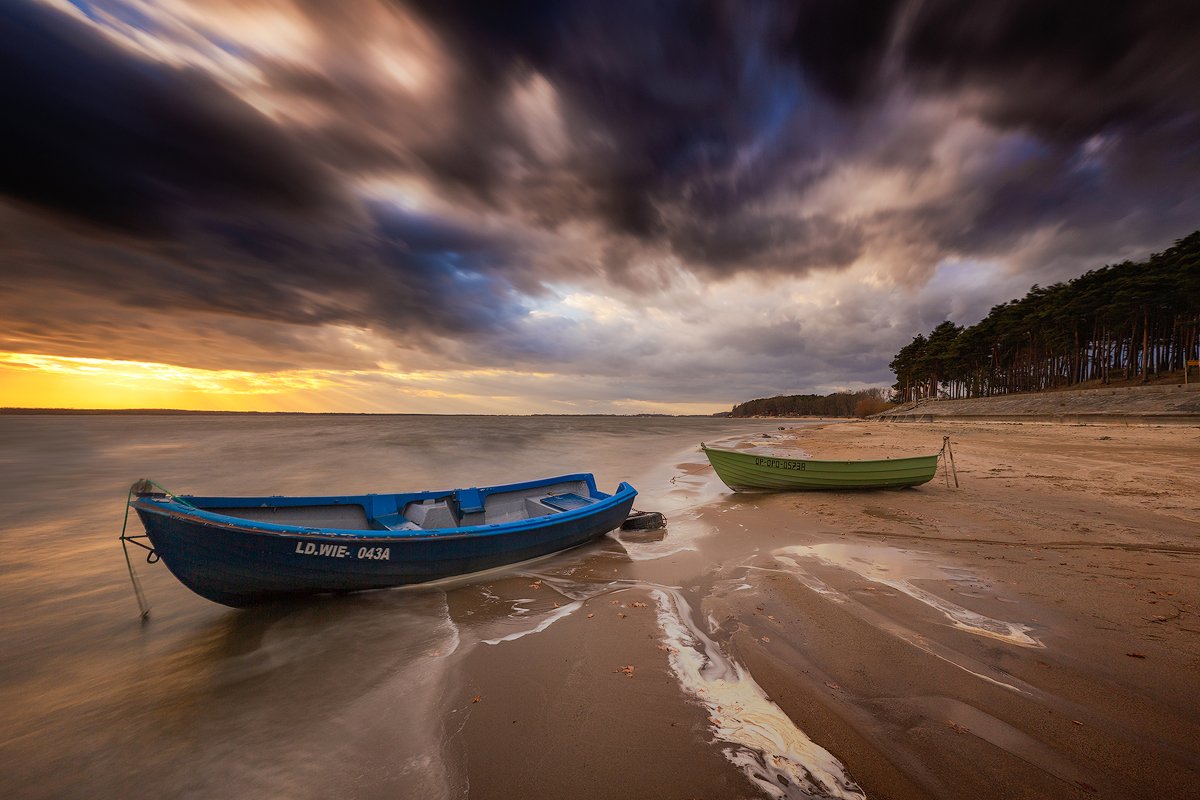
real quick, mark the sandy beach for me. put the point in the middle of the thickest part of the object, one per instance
(1032, 633)
(876, 630)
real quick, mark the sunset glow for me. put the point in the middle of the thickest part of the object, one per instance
(30, 380)
(60, 382)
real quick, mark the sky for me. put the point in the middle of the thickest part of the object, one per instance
(544, 206)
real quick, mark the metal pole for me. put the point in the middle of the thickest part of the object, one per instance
(143, 606)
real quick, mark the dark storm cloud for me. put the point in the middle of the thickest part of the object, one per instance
(841, 43)
(96, 134)
(1107, 94)
(706, 111)
(451, 279)
(1065, 69)
(674, 109)
(410, 277)
(192, 200)
(750, 240)
(681, 117)
(609, 65)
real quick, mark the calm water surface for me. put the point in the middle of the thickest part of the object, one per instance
(330, 697)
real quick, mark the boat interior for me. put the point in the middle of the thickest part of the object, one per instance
(419, 511)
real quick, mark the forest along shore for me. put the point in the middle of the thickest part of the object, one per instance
(1119, 322)
(1033, 633)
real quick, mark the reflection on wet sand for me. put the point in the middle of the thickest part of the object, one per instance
(337, 661)
(294, 700)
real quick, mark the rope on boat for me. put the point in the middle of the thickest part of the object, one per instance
(948, 467)
(143, 486)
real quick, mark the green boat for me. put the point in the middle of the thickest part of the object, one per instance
(742, 471)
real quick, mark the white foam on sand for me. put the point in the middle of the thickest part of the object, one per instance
(546, 622)
(897, 569)
(811, 581)
(775, 755)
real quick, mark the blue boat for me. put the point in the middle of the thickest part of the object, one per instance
(240, 551)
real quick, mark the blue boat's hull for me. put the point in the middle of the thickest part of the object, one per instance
(240, 565)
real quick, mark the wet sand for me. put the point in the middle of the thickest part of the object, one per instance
(1033, 633)
(602, 717)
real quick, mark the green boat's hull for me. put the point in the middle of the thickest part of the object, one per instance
(757, 472)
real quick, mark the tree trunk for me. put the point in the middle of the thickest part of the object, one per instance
(1145, 344)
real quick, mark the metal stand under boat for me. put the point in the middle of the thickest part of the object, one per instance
(140, 487)
(949, 457)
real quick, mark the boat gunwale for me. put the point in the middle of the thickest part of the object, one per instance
(179, 510)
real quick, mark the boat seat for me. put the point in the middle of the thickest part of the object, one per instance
(475, 518)
(396, 522)
(534, 507)
(431, 514)
(567, 501)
